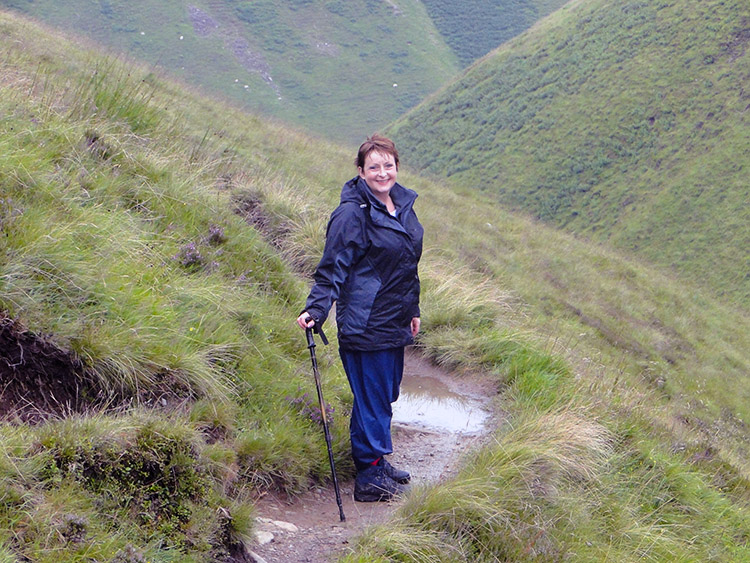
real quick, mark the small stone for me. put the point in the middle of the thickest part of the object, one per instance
(255, 558)
(286, 526)
(263, 538)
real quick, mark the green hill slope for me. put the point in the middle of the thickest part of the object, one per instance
(626, 123)
(154, 252)
(341, 68)
(473, 28)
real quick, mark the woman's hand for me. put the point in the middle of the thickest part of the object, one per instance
(305, 320)
(415, 324)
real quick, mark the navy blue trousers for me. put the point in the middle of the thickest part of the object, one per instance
(375, 379)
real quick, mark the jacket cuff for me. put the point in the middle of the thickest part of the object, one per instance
(317, 315)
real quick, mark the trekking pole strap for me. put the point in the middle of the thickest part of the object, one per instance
(318, 330)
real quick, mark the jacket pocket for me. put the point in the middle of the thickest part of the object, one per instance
(359, 303)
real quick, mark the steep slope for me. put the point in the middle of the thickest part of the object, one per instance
(623, 122)
(341, 68)
(154, 249)
(473, 28)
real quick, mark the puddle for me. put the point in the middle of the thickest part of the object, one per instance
(429, 403)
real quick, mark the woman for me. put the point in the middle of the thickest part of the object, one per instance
(369, 268)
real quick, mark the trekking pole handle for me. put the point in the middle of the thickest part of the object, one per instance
(310, 338)
(318, 330)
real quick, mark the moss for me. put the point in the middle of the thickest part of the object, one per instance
(156, 475)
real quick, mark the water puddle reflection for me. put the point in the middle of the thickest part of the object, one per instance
(429, 403)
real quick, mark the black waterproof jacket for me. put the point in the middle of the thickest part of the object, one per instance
(369, 267)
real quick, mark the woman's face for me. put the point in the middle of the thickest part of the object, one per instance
(379, 172)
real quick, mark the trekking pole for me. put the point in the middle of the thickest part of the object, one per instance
(311, 346)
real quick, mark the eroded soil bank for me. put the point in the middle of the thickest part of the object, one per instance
(429, 438)
(37, 378)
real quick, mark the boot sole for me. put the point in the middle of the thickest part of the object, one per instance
(373, 497)
(381, 495)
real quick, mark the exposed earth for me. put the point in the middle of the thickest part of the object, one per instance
(309, 529)
(37, 378)
(40, 380)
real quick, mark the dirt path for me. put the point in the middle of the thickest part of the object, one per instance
(309, 530)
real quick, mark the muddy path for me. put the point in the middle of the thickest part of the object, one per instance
(438, 418)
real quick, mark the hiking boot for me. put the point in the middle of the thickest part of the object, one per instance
(398, 475)
(372, 484)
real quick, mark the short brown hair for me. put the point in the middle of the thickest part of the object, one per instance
(376, 143)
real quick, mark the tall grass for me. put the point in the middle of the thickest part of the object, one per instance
(121, 243)
(559, 485)
(454, 297)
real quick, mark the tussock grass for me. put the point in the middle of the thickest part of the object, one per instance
(560, 485)
(487, 513)
(120, 240)
(280, 207)
(80, 478)
(454, 297)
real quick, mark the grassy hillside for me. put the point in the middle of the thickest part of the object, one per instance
(341, 68)
(626, 124)
(154, 252)
(473, 28)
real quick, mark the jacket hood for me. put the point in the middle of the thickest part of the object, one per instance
(357, 191)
